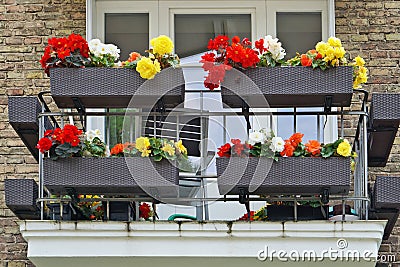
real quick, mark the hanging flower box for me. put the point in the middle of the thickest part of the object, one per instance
(289, 175)
(304, 212)
(115, 87)
(288, 87)
(133, 175)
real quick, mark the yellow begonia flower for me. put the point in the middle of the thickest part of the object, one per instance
(344, 149)
(146, 153)
(162, 45)
(321, 48)
(142, 143)
(359, 61)
(168, 148)
(181, 147)
(148, 68)
(335, 42)
(339, 52)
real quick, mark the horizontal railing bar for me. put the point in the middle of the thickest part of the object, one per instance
(208, 114)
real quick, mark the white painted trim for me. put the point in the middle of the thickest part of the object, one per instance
(89, 18)
(168, 244)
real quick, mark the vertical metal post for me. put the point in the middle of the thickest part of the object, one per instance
(341, 123)
(319, 128)
(365, 145)
(41, 186)
(295, 120)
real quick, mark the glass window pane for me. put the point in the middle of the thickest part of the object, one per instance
(298, 32)
(130, 32)
(192, 31)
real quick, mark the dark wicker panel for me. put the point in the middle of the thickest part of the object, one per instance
(385, 107)
(386, 214)
(114, 87)
(286, 213)
(289, 87)
(287, 176)
(109, 176)
(387, 192)
(384, 122)
(23, 116)
(21, 195)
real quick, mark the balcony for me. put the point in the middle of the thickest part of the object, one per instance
(63, 242)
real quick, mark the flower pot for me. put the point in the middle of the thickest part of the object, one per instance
(288, 87)
(290, 175)
(23, 116)
(115, 87)
(55, 211)
(118, 211)
(384, 120)
(304, 212)
(134, 175)
(21, 196)
(386, 192)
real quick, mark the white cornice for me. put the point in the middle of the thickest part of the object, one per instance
(60, 244)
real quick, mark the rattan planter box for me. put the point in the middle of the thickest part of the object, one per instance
(21, 195)
(111, 176)
(288, 87)
(286, 213)
(115, 87)
(23, 116)
(119, 211)
(287, 176)
(386, 192)
(384, 122)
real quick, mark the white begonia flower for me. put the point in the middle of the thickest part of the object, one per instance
(274, 47)
(94, 44)
(267, 133)
(90, 135)
(103, 49)
(113, 50)
(256, 137)
(277, 144)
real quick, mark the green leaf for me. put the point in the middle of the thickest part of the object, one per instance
(157, 158)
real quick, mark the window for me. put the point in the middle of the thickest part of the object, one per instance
(298, 24)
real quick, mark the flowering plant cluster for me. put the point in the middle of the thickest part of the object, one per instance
(69, 142)
(75, 51)
(92, 210)
(160, 57)
(332, 54)
(103, 55)
(261, 144)
(145, 211)
(70, 52)
(226, 54)
(151, 147)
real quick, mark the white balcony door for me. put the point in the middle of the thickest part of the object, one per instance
(190, 24)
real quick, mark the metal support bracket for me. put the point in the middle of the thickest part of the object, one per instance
(328, 103)
(81, 110)
(246, 113)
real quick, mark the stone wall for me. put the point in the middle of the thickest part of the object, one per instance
(371, 29)
(25, 26)
(368, 28)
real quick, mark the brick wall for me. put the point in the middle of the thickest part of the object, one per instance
(25, 26)
(371, 29)
(368, 28)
